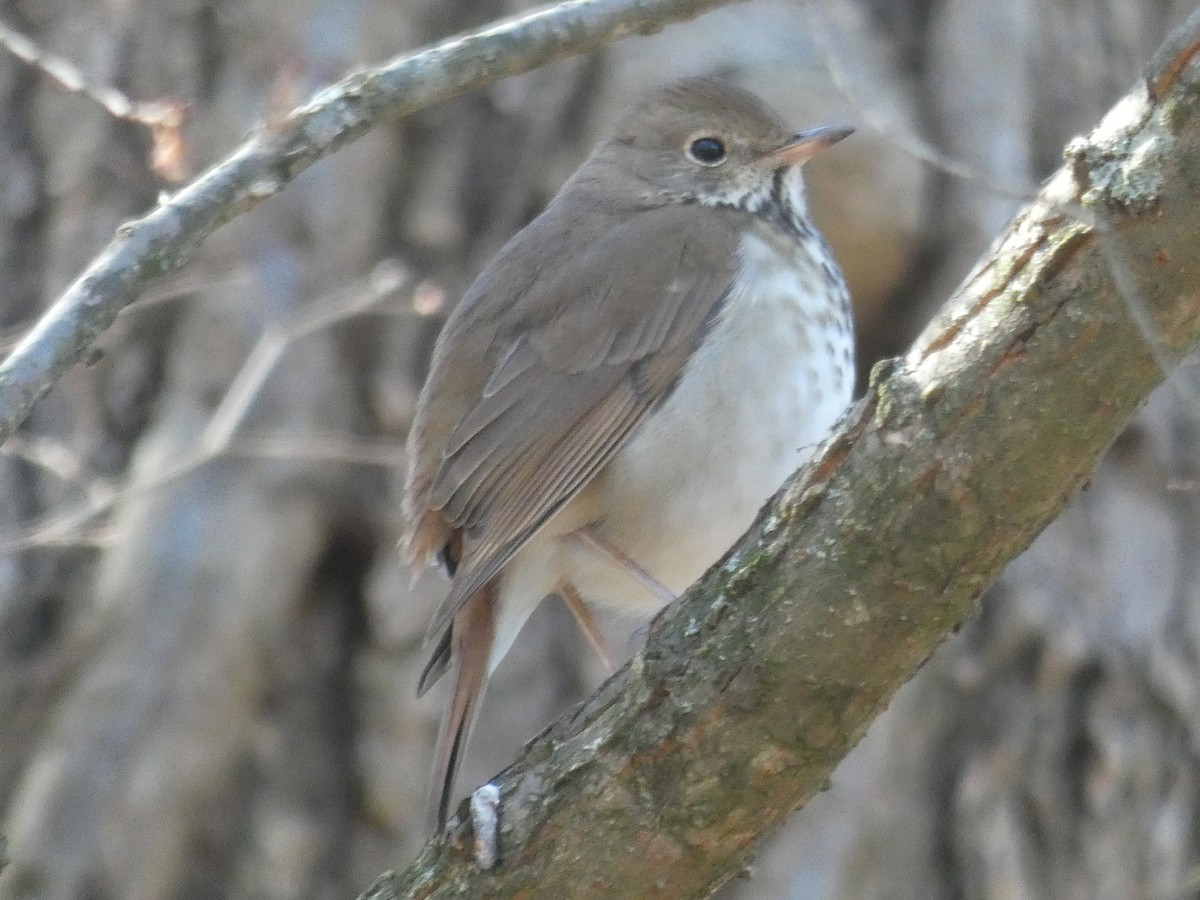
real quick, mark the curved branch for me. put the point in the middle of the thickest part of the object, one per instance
(750, 690)
(162, 240)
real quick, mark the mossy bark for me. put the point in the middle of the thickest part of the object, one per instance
(751, 689)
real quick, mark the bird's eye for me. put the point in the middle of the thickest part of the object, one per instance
(708, 151)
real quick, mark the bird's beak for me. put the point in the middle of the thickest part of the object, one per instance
(807, 144)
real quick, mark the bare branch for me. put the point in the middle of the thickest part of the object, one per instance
(162, 240)
(900, 134)
(387, 281)
(750, 690)
(164, 119)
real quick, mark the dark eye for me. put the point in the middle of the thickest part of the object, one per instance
(708, 151)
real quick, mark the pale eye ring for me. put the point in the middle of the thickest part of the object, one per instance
(707, 151)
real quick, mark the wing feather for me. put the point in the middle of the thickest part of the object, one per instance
(537, 382)
(532, 495)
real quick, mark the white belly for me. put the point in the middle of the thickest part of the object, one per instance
(772, 376)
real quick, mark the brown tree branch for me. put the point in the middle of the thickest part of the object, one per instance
(163, 239)
(751, 689)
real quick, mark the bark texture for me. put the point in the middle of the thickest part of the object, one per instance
(758, 682)
(207, 656)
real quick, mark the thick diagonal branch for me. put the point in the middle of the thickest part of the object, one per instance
(751, 689)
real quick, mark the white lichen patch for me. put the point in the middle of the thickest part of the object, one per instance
(1133, 180)
(1121, 161)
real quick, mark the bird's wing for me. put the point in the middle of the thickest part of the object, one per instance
(580, 355)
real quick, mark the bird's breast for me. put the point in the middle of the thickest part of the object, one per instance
(763, 389)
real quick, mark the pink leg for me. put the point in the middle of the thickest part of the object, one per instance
(587, 624)
(589, 536)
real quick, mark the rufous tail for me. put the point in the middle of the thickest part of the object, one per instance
(471, 637)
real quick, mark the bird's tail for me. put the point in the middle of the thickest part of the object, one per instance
(471, 636)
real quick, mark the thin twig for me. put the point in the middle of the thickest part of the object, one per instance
(387, 454)
(163, 239)
(164, 118)
(1140, 311)
(902, 137)
(385, 282)
(75, 527)
(49, 455)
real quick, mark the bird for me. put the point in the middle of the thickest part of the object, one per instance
(625, 384)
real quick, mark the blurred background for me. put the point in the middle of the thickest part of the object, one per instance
(208, 645)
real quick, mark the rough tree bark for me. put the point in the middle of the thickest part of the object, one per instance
(206, 685)
(753, 687)
(207, 662)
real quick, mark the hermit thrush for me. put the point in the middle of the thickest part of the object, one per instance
(627, 382)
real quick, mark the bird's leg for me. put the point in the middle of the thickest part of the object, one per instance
(593, 539)
(587, 624)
